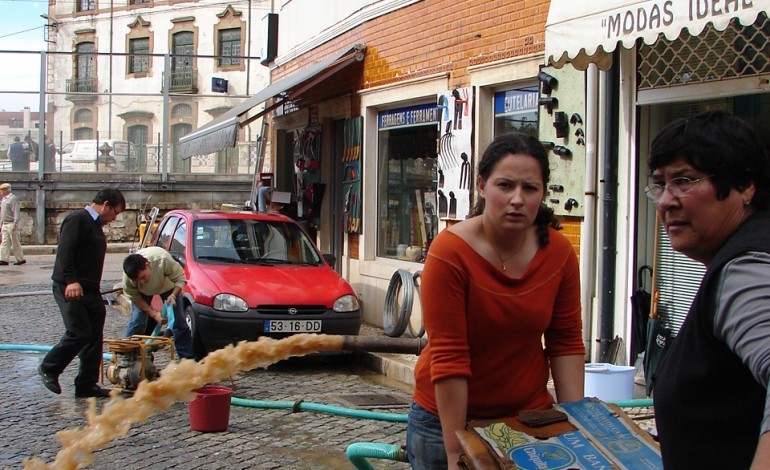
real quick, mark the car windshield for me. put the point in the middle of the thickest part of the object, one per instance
(253, 242)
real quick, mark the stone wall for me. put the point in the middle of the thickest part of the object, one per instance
(63, 193)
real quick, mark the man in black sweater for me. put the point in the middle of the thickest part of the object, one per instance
(77, 277)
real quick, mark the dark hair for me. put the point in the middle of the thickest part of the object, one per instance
(111, 196)
(719, 144)
(133, 264)
(512, 144)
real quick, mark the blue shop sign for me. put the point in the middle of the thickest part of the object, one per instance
(522, 100)
(405, 117)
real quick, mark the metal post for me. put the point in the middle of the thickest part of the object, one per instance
(40, 191)
(166, 86)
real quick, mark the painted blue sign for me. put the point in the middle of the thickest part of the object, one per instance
(406, 117)
(522, 100)
(613, 434)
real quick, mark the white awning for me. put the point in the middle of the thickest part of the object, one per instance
(582, 32)
(222, 132)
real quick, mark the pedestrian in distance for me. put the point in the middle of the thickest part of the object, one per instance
(29, 148)
(493, 287)
(19, 159)
(710, 182)
(148, 272)
(10, 217)
(49, 153)
(77, 276)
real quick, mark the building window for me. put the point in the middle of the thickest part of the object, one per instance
(138, 2)
(84, 133)
(229, 46)
(181, 111)
(182, 73)
(139, 136)
(83, 115)
(140, 59)
(86, 5)
(85, 70)
(15, 123)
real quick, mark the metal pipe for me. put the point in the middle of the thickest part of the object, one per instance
(384, 344)
(609, 210)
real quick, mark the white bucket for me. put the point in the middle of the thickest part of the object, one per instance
(609, 382)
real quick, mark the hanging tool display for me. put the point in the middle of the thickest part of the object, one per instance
(308, 188)
(351, 177)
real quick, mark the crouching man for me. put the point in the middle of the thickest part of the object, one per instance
(148, 272)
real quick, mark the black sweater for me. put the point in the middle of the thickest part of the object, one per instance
(708, 406)
(81, 251)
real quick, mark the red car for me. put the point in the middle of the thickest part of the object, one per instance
(254, 274)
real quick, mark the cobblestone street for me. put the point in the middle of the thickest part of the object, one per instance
(255, 438)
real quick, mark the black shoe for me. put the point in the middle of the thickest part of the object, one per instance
(51, 382)
(3, 263)
(92, 391)
(19, 263)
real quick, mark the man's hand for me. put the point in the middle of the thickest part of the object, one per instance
(73, 291)
(171, 299)
(156, 315)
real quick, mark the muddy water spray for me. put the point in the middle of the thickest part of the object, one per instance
(176, 383)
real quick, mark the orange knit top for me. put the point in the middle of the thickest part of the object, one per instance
(496, 331)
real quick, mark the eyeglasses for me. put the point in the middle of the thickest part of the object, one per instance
(678, 187)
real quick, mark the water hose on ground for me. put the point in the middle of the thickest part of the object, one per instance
(358, 452)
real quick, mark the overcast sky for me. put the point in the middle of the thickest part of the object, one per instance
(21, 29)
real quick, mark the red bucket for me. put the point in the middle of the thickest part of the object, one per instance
(210, 410)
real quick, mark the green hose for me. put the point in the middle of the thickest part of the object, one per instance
(307, 406)
(357, 453)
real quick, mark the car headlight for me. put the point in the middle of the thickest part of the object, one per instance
(346, 303)
(230, 303)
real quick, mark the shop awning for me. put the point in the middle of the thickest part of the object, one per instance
(582, 32)
(222, 132)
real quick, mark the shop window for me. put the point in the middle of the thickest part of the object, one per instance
(516, 111)
(229, 46)
(408, 183)
(139, 49)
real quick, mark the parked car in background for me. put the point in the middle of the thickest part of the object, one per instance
(89, 156)
(254, 274)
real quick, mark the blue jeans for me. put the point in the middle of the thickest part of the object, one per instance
(424, 440)
(141, 324)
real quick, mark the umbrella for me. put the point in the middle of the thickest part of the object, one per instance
(640, 307)
(659, 339)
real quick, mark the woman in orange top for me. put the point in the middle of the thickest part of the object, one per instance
(501, 306)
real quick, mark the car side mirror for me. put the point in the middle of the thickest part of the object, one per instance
(330, 259)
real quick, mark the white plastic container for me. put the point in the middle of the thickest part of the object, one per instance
(609, 382)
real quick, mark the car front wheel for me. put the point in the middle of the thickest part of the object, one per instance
(198, 350)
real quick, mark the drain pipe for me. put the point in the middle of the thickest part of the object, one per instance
(609, 208)
(588, 237)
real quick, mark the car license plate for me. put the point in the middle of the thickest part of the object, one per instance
(292, 326)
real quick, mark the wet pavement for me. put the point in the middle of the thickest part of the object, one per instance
(255, 438)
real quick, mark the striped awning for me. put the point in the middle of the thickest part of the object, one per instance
(587, 32)
(222, 132)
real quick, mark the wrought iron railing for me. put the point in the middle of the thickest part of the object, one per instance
(81, 85)
(185, 80)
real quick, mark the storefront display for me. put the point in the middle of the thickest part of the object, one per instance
(408, 181)
(455, 153)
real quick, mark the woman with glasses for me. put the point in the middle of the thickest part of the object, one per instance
(710, 178)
